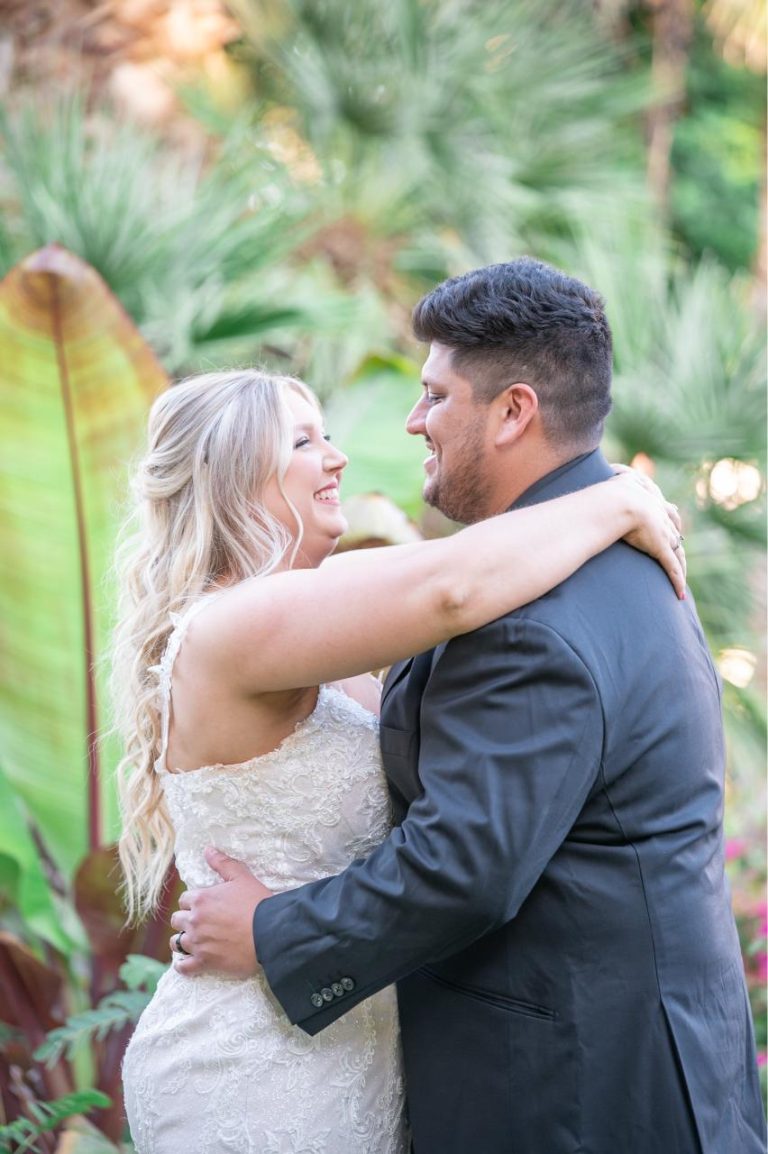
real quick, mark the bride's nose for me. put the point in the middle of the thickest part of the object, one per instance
(334, 460)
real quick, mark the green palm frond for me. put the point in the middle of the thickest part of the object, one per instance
(116, 1010)
(138, 972)
(191, 250)
(22, 1134)
(505, 122)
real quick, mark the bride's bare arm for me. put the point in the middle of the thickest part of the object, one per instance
(367, 609)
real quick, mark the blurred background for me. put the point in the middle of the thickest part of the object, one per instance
(191, 184)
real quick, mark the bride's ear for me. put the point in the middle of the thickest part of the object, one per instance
(515, 408)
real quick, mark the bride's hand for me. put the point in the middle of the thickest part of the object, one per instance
(657, 531)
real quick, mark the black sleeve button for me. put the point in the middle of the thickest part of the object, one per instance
(327, 994)
(348, 984)
(317, 1001)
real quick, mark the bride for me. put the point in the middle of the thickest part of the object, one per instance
(249, 722)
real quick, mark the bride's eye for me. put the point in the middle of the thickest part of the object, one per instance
(298, 444)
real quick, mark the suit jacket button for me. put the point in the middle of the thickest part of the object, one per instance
(317, 1001)
(338, 989)
(327, 995)
(348, 984)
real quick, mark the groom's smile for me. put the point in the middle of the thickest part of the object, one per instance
(454, 426)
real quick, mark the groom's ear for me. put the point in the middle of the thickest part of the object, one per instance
(514, 409)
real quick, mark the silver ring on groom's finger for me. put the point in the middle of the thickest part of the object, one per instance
(679, 544)
(179, 948)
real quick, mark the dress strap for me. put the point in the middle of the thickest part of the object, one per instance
(164, 670)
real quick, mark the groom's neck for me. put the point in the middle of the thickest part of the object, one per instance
(513, 474)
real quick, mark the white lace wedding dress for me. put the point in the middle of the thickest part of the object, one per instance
(214, 1066)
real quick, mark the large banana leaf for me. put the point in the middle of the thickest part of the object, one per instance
(367, 420)
(76, 380)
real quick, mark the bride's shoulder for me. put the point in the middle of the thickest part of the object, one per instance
(365, 690)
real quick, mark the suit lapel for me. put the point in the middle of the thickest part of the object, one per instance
(400, 730)
(395, 675)
(403, 688)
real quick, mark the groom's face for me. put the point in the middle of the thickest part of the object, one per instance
(455, 427)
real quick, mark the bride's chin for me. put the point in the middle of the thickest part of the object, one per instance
(309, 557)
(333, 534)
(334, 541)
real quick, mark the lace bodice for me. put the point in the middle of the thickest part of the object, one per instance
(301, 812)
(214, 1065)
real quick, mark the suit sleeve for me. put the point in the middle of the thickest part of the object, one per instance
(511, 744)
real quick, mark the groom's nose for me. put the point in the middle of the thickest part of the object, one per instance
(415, 421)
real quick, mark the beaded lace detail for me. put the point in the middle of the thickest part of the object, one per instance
(214, 1065)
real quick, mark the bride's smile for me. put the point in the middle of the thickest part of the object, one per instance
(310, 486)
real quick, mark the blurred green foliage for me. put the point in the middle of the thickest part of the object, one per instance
(718, 158)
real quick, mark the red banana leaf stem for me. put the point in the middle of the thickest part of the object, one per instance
(94, 803)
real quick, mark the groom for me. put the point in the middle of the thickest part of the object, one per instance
(552, 904)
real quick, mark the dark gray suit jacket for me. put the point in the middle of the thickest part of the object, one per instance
(553, 903)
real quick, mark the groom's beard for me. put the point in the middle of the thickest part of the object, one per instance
(460, 490)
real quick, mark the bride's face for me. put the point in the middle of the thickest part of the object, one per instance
(311, 484)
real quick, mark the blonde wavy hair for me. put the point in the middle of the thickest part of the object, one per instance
(198, 522)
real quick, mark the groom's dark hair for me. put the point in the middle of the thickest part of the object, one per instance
(527, 321)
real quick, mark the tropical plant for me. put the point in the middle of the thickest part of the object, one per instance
(27, 1133)
(706, 119)
(43, 1040)
(76, 382)
(196, 249)
(718, 153)
(441, 134)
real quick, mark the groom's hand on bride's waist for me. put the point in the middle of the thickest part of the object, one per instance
(213, 928)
